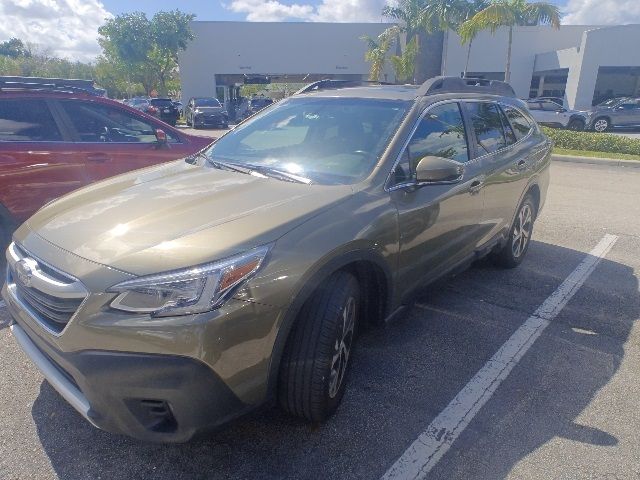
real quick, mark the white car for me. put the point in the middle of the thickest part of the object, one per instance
(549, 113)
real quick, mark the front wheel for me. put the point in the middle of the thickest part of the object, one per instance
(601, 125)
(512, 253)
(576, 125)
(316, 358)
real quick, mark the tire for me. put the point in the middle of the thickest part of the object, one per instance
(576, 125)
(517, 246)
(315, 361)
(601, 124)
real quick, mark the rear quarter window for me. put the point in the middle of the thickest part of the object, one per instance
(27, 121)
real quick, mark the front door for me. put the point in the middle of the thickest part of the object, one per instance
(112, 140)
(439, 224)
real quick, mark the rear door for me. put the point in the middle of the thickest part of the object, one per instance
(439, 225)
(37, 162)
(504, 148)
(627, 114)
(112, 140)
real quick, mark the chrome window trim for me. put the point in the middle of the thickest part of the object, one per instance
(398, 186)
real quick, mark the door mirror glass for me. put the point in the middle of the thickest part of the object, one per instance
(432, 169)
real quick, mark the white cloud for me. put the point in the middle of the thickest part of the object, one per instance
(601, 12)
(325, 11)
(66, 28)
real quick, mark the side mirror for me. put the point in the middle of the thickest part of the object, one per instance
(161, 138)
(432, 169)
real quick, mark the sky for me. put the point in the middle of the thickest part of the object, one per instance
(68, 28)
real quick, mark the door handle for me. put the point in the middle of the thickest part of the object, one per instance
(98, 157)
(475, 187)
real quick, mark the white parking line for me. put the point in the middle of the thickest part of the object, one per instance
(425, 452)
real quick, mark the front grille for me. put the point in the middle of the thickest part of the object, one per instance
(51, 296)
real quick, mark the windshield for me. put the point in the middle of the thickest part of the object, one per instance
(327, 140)
(207, 102)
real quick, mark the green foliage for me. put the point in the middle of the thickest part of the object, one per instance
(377, 49)
(42, 65)
(14, 48)
(591, 141)
(404, 65)
(146, 51)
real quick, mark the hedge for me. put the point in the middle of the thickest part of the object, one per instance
(593, 142)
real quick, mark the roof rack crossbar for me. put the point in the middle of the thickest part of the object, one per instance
(437, 85)
(50, 84)
(331, 83)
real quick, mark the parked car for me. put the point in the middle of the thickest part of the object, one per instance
(139, 103)
(615, 113)
(560, 101)
(258, 103)
(164, 109)
(173, 299)
(549, 113)
(205, 112)
(54, 140)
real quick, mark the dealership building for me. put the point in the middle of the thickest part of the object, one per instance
(583, 64)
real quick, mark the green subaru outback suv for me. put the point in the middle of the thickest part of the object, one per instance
(175, 298)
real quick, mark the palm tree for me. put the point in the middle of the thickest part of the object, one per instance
(413, 23)
(444, 15)
(471, 8)
(509, 13)
(377, 49)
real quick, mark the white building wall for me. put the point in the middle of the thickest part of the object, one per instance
(273, 48)
(489, 52)
(607, 47)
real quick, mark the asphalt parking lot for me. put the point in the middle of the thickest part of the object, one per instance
(568, 409)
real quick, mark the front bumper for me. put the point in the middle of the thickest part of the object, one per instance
(152, 379)
(217, 120)
(160, 398)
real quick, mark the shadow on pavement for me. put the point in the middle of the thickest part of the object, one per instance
(403, 375)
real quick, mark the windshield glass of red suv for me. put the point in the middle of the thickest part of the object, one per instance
(327, 140)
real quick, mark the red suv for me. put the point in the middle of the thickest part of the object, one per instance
(56, 137)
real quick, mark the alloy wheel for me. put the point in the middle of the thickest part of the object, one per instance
(342, 348)
(522, 231)
(601, 125)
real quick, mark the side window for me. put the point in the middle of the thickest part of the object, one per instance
(508, 131)
(534, 106)
(27, 121)
(520, 124)
(96, 122)
(487, 125)
(550, 107)
(440, 133)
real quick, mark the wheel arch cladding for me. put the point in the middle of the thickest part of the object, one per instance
(371, 271)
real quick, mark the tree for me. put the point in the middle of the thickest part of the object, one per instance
(146, 49)
(377, 49)
(14, 48)
(472, 8)
(404, 64)
(509, 13)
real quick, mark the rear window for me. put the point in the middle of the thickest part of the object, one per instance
(520, 124)
(27, 121)
(487, 124)
(161, 102)
(206, 102)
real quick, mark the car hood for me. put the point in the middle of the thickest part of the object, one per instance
(177, 215)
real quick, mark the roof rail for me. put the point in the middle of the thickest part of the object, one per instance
(437, 85)
(332, 84)
(50, 84)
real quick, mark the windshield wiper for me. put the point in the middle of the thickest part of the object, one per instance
(261, 170)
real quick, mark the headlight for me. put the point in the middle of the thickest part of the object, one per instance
(188, 291)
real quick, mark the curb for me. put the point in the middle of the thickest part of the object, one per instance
(596, 161)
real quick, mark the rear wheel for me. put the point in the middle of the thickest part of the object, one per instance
(316, 358)
(513, 252)
(601, 124)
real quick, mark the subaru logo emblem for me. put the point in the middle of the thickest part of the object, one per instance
(24, 271)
